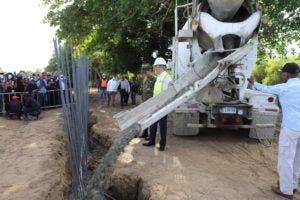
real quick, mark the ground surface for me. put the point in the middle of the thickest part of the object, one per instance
(33, 161)
(216, 165)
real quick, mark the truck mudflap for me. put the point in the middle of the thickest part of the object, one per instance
(181, 119)
(260, 132)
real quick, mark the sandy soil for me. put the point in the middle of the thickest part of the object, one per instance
(213, 165)
(216, 165)
(33, 158)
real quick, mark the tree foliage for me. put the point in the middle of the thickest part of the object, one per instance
(283, 27)
(267, 71)
(52, 66)
(120, 35)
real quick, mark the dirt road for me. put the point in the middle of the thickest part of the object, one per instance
(216, 165)
(33, 158)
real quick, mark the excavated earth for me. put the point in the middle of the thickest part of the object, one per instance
(215, 165)
(33, 158)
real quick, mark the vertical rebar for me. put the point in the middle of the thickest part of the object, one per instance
(74, 98)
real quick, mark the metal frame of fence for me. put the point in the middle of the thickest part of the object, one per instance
(52, 100)
(75, 109)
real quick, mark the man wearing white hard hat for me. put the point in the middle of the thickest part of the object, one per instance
(162, 82)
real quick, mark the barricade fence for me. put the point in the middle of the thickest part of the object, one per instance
(51, 99)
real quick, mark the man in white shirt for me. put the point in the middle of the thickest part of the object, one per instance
(124, 90)
(112, 88)
(289, 139)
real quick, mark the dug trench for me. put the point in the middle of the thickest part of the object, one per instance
(102, 133)
(216, 164)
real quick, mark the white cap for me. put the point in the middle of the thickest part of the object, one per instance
(160, 61)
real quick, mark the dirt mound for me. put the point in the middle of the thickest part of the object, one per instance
(33, 158)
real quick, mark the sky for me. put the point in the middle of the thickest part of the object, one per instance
(25, 41)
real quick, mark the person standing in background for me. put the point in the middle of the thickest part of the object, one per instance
(133, 90)
(19, 85)
(31, 87)
(112, 88)
(42, 90)
(103, 86)
(147, 88)
(128, 91)
(124, 88)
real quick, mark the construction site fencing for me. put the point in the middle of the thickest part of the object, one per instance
(51, 99)
(75, 111)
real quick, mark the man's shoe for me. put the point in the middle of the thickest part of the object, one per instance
(161, 148)
(276, 190)
(294, 191)
(148, 144)
(147, 138)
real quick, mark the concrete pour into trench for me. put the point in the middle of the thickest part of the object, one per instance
(123, 186)
(217, 164)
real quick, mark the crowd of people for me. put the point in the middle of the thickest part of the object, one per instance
(19, 94)
(109, 88)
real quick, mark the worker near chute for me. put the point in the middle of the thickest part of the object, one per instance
(289, 139)
(162, 82)
(147, 88)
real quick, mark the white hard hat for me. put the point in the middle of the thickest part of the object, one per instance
(160, 61)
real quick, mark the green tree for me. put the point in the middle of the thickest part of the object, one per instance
(52, 65)
(38, 71)
(268, 72)
(283, 27)
(121, 35)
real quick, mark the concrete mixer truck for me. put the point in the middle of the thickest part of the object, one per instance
(221, 27)
(213, 54)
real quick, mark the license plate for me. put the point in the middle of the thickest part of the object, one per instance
(228, 110)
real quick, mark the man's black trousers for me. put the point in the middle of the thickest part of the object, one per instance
(163, 131)
(122, 94)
